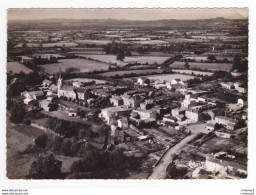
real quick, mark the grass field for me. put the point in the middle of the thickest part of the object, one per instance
(110, 59)
(121, 73)
(16, 67)
(46, 45)
(82, 65)
(91, 42)
(193, 71)
(128, 59)
(204, 66)
(170, 77)
(86, 80)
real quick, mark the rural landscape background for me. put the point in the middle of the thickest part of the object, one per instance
(125, 98)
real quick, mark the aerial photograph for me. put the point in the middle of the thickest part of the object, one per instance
(127, 93)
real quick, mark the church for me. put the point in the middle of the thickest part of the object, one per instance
(74, 93)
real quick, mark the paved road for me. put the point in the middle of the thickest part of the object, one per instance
(159, 171)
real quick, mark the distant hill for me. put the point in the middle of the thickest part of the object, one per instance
(113, 22)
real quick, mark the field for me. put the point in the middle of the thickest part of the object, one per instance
(91, 42)
(193, 71)
(67, 44)
(170, 77)
(121, 73)
(129, 59)
(87, 80)
(16, 67)
(110, 59)
(204, 66)
(82, 65)
(150, 42)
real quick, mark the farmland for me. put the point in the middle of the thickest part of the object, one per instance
(170, 77)
(193, 71)
(82, 65)
(16, 67)
(128, 59)
(204, 66)
(92, 42)
(46, 45)
(87, 80)
(121, 73)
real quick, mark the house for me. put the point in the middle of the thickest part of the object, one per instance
(240, 102)
(188, 103)
(237, 84)
(215, 165)
(229, 123)
(116, 100)
(210, 127)
(116, 134)
(216, 112)
(46, 83)
(241, 89)
(26, 60)
(53, 88)
(123, 123)
(227, 85)
(235, 73)
(223, 134)
(142, 81)
(52, 97)
(145, 114)
(147, 104)
(178, 111)
(72, 113)
(46, 105)
(193, 114)
(36, 95)
(169, 118)
(176, 81)
(116, 111)
(77, 84)
(28, 101)
(133, 100)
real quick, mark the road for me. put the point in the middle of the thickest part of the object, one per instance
(159, 171)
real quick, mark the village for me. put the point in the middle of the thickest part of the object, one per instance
(178, 115)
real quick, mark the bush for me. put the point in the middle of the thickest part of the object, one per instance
(45, 167)
(26, 121)
(41, 140)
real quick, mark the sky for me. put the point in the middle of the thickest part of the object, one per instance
(129, 14)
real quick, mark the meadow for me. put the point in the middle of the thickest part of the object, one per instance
(46, 45)
(192, 71)
(16, 67)
(121, 73)
(204, 66)
(170, 77)
(92, 42)
(82, 65)
(128, 59)
(87, 80)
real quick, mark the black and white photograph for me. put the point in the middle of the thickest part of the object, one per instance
(127, 94)
(139, 97)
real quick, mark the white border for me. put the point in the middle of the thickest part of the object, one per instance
(151, 186)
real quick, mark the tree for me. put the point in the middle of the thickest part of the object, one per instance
(211, 58)
(120, 56)
(186, 66)
(45, 167)
(41, 140)
(17, 113)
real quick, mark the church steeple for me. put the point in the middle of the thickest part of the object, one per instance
(59, 84)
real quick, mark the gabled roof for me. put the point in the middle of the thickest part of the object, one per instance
(47, 81)
(80, 89)
(36, 93)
